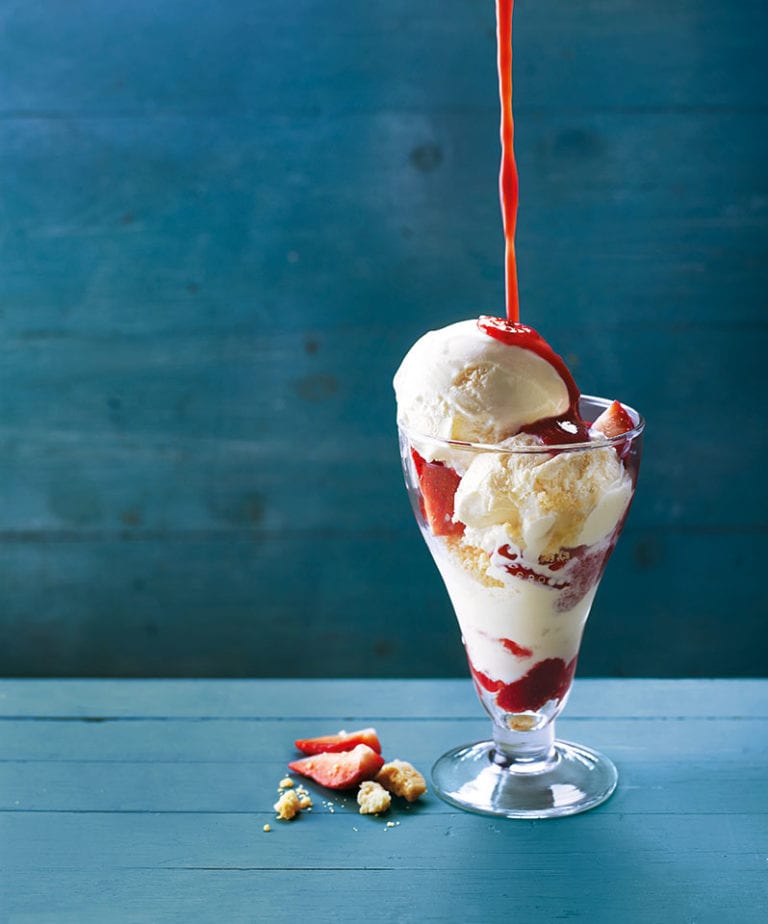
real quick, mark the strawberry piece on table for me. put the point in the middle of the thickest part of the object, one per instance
(613, 421)
(438, 483)
(343, 741)
(341, 770)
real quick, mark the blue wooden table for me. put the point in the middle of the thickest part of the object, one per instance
(146, 801)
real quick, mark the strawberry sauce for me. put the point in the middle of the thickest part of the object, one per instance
(585, 568)
(548, 679)
(517, 650)
(508, 182)
(569, 427)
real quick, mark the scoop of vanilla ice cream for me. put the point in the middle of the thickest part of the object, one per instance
(539, 502)
(458, 383)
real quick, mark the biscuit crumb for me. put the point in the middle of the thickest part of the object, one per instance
(288, 805)
(373, 798)
(286, 783)
(267, 828)
(402, 779)
(473, 559)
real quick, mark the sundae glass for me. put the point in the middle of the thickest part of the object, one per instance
(521, 486)
(520, 531)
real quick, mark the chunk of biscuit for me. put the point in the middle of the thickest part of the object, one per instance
(402, 779)
(288, 805)
(373, 798)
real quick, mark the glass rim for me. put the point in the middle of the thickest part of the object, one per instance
(601, 443)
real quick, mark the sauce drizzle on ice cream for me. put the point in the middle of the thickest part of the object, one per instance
(552, 431)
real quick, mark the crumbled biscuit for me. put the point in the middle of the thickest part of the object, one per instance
(288, 805)
(305, 803)
(402, 779)
(373, 798)
(267, 828)
(521, 722)
(286, 783)
(473, 559)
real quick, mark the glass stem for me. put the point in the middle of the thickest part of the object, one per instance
(531, 751)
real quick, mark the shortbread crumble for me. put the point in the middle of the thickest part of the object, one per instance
(287, 806)
(373, 798)
(402, 779)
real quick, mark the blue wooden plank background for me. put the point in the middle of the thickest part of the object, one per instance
(221, 226)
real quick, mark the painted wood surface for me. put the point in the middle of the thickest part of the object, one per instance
(145, 800)
(223, 225)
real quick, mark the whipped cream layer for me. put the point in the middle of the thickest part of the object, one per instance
(514, 613)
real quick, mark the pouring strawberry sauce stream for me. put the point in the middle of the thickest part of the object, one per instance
(508, 182)
(569, 428)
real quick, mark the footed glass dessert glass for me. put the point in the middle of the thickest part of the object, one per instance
(521, 537)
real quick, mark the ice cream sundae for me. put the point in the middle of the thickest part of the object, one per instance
(520, 497)
(521, 486)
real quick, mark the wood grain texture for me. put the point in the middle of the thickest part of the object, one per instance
(138, 800)
(175, 179)
(65, 700)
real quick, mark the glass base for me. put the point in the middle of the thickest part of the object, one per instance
(482, 778)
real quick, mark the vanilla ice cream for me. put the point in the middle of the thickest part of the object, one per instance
(542, 503)
(458, 383)
(522, 526)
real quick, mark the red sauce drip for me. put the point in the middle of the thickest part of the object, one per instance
(569, 427)
(508, 183)
(518, 569)
(546, 680)
(528, 574)
(518, 650)
(506, 552)
(549, 679)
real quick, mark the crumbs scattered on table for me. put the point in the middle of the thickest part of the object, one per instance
(287, 806)
(291, 802)
(267, 828)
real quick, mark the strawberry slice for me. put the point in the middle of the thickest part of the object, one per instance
(438, 483)
(340, 771)
(343, 741)
(613, 421)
